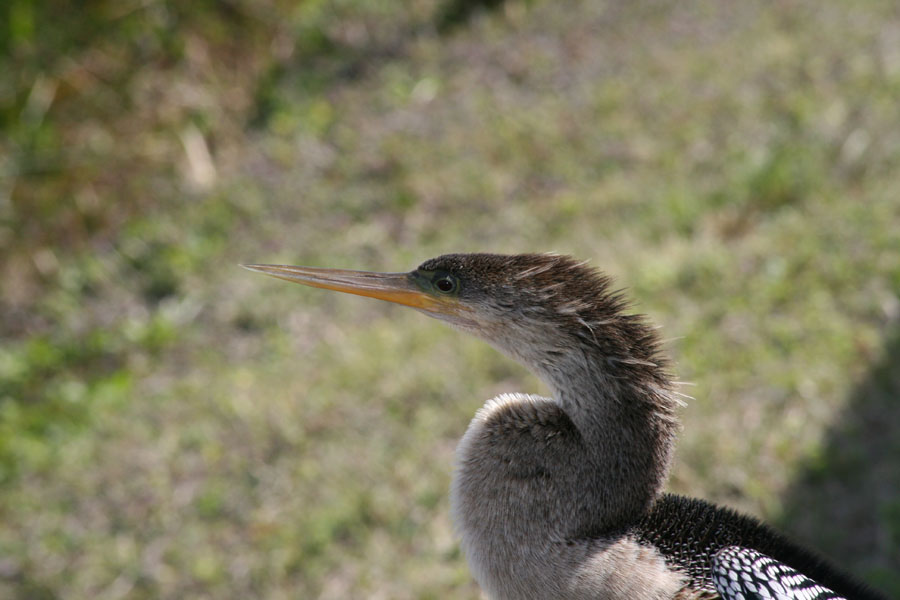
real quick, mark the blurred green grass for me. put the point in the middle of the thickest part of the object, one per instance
(175, 427)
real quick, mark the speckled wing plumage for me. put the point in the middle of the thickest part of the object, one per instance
(745, 574)
(691, 534)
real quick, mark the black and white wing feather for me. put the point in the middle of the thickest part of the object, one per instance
(745, 574)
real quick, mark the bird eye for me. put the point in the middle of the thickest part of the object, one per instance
(445, 284)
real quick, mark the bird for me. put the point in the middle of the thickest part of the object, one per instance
(563, 496)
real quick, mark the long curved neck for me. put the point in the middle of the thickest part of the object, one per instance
(624, 409)
(628, 421)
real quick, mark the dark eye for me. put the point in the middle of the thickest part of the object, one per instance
(445, 284)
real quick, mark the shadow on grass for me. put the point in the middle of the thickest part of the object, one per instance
(846, 503)
(458, 12)
(327, 58)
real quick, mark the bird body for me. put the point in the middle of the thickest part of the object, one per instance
(562, 497)
(524, 532)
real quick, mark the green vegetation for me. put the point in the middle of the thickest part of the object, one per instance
(174, 427)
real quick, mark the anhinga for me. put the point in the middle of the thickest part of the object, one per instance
(562, 497)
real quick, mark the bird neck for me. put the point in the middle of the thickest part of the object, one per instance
(624, 410)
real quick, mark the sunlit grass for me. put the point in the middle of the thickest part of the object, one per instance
(174, 426)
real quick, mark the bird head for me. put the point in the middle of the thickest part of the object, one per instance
(537, 308)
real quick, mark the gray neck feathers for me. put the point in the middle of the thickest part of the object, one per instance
(628, 426)
(619, 398)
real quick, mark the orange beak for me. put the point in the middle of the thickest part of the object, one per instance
(393, 287)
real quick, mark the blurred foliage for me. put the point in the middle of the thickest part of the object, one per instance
(83, 125)
(173, 427)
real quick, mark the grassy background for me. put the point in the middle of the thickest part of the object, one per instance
(174, 427)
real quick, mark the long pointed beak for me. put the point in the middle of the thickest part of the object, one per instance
(393, 287)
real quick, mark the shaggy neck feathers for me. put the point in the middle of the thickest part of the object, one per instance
(560, 318)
